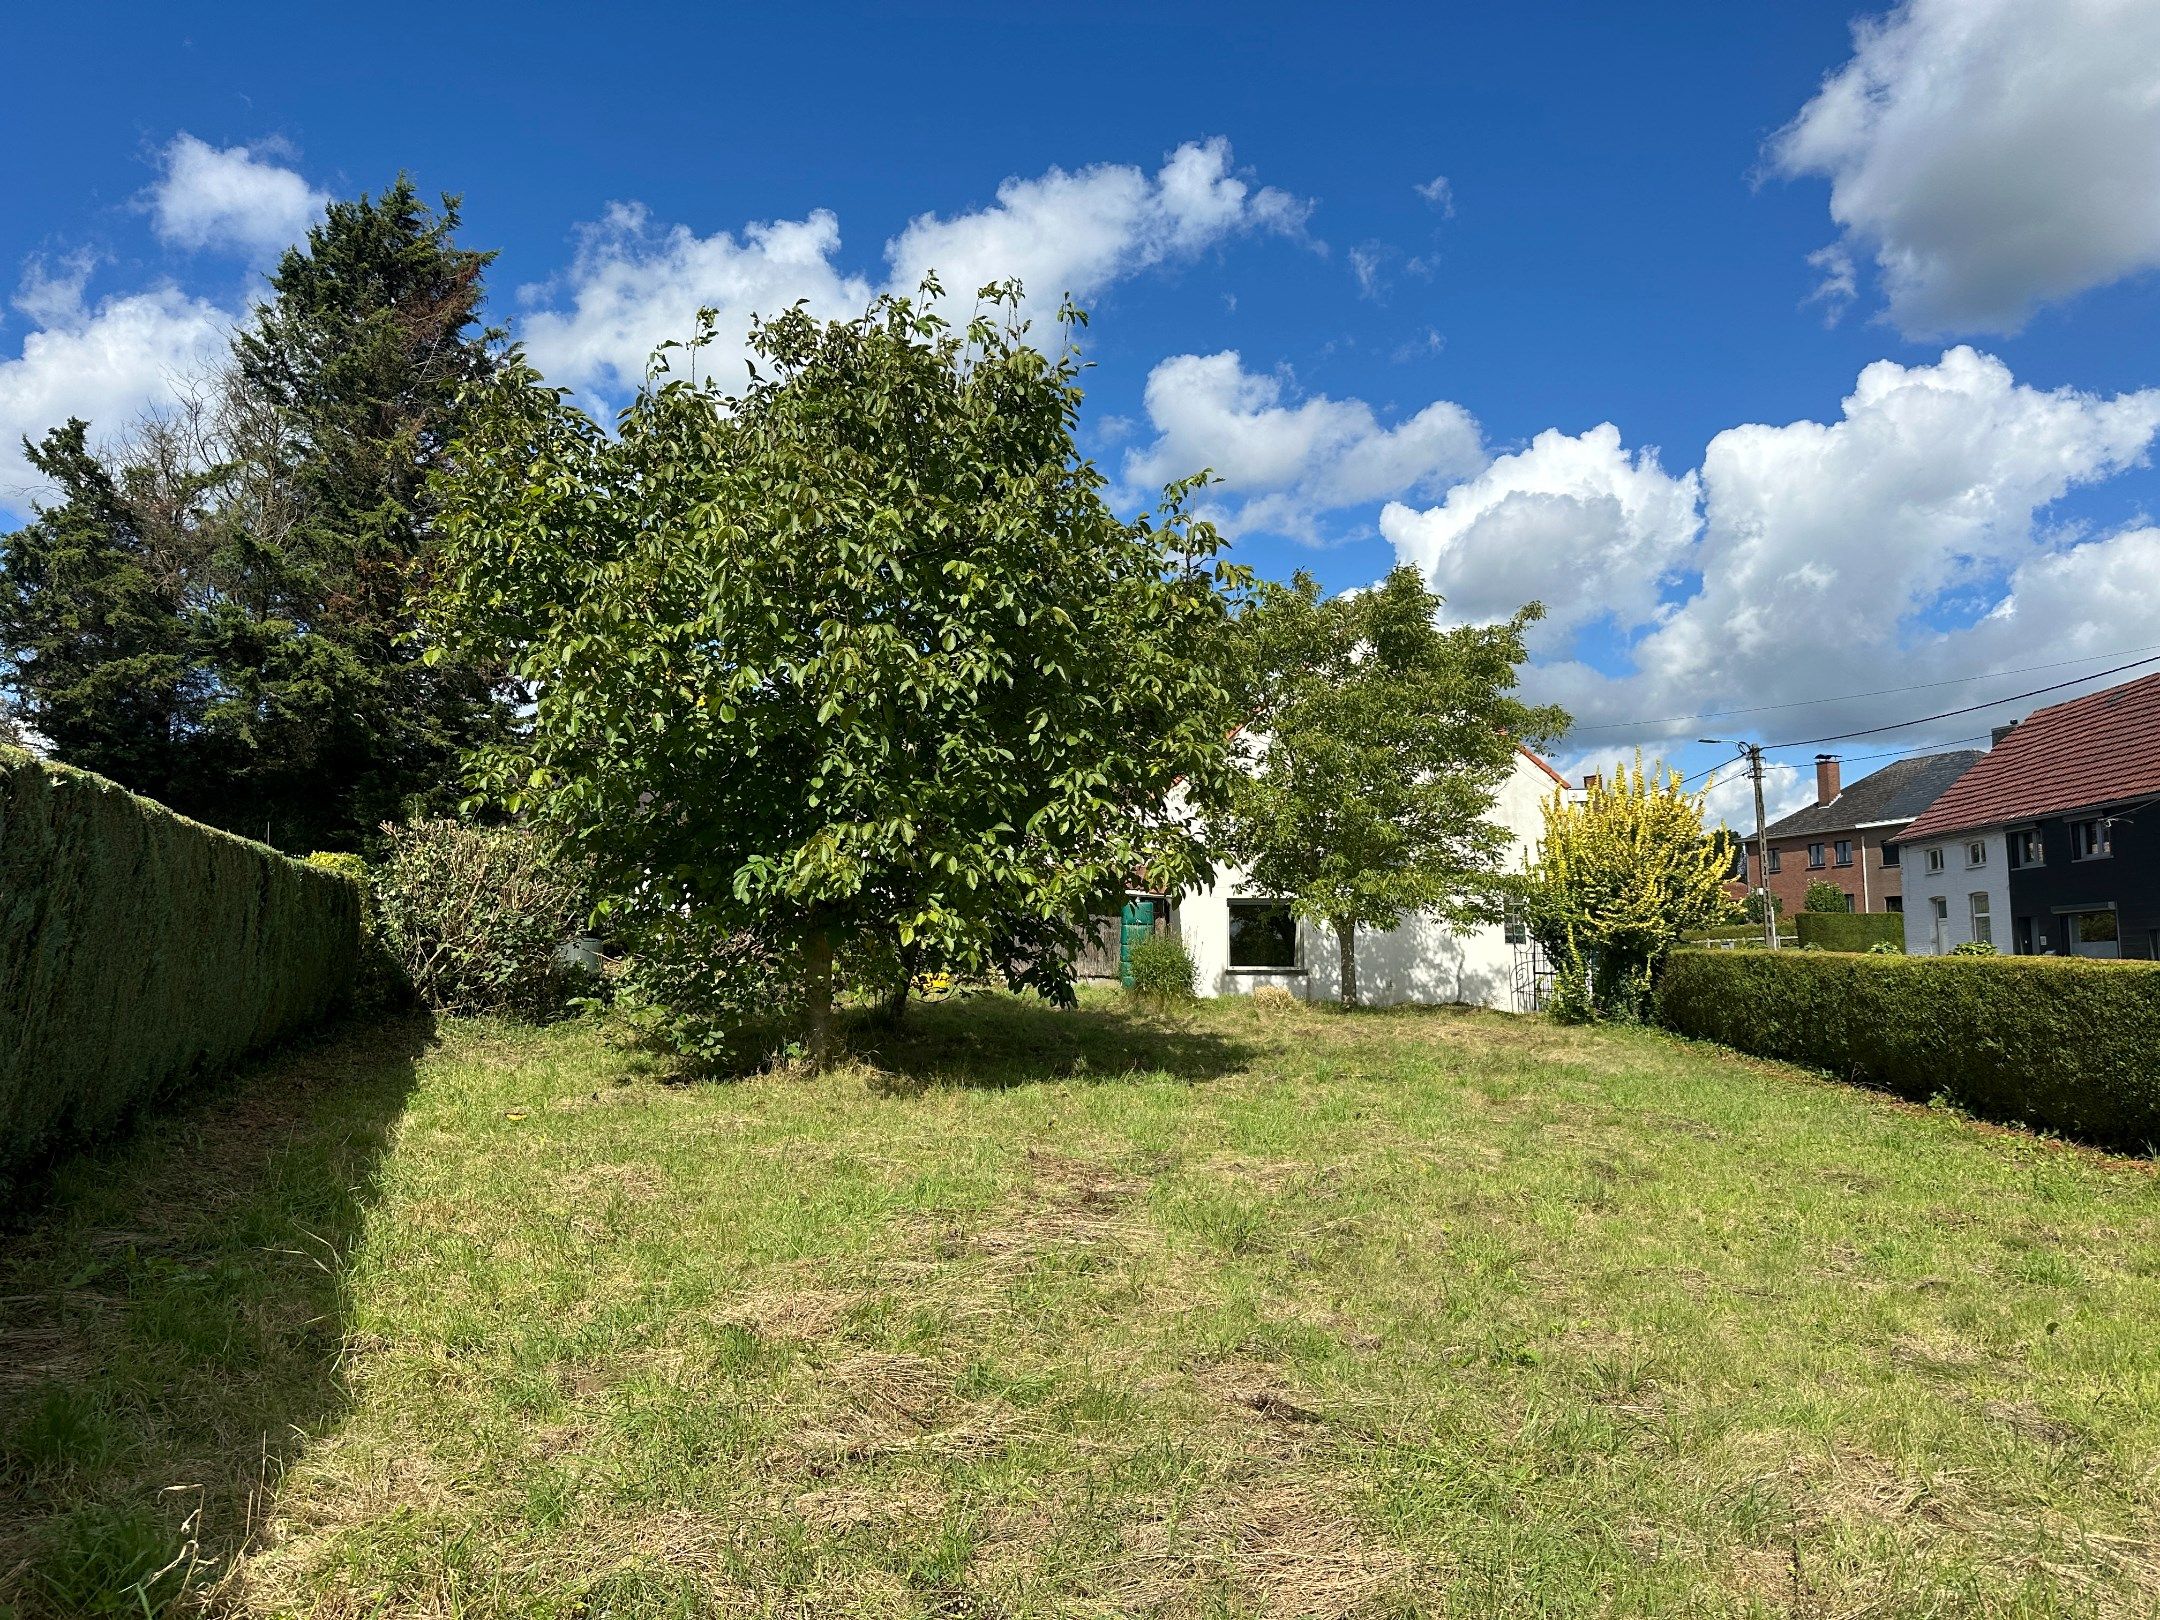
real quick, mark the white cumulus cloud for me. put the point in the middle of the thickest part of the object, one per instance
(231, 197)
(635, 285)
(1990, 155)
(1576, 522)
(1832, 535)
(1077, 233)
(1905, 542)
(1287, 462)
(106, 364)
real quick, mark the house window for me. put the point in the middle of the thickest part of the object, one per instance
(2091, 840)
(1983, 926)
(1263, 934)
(1814, 857)
(1844, 852)
(2093, 933)
(1516, 928)
(1976, 853)
(1890, 855)
(1934, 859)
(1894, 902)
(2026, 848)
(1777, 862)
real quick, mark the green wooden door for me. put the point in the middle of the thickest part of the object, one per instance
(1137, 922)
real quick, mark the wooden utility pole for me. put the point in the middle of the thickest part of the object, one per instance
(1752, 753)
(1762, 848)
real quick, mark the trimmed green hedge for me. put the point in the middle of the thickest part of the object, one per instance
(141, 952)
(2056, 1042)
(1850, 930)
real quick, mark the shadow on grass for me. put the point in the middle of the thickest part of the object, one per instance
(994, 1042)
(172, 1318)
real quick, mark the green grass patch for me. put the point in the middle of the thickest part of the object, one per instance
(1237, 1311)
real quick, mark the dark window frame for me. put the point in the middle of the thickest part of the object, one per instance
(1815, 857)
(1841, 852)
(1287, 930)
(2103, 838)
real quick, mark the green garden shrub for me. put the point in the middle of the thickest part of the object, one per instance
(141, 952)
(2057, 1042)
(719, 1002)
(1850, 930)
(1162, 969)
(381, 982)
(477, 918)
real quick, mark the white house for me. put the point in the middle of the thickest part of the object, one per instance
(1957, 889)
(1241, 940)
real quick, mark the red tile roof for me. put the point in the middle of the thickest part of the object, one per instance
(1541, 765)
(2093, 750)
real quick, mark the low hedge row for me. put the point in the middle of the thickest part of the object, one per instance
(141, 951)
(1850, 930)
(2056, 1042)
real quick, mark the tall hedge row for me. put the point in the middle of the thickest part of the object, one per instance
(1850, 930)
(2056, 1042)
(141, 951)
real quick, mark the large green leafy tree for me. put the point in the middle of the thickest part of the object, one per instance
(1378, 741)
(859, 662)
(221, 612)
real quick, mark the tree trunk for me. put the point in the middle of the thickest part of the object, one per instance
(894, 1007)
(817, 962)
(1346, 941)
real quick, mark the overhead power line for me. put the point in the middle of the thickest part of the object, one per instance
(1970, 708)
(1885, 691)
(1855, 759)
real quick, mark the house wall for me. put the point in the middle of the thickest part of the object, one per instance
(1871, 884)
(2128, 881)
(1421, 961)
(1956, 883)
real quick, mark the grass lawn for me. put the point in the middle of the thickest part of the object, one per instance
(1250, 1312)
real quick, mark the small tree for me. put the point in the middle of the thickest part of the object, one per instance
(855, 663)
(1615, 882)
(1380, 740)
(1823, 895)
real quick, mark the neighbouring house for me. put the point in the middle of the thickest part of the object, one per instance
(1957, 892)
(2050, 845)
(1850, 835)
(1241, 940)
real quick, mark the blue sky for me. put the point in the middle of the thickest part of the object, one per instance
(1389, 268)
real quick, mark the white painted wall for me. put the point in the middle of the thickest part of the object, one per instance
(1956, 883)
(1421, 961)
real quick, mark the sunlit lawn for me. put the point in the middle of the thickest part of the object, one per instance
(1247, 1312)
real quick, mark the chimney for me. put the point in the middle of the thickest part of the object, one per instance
(1826, 778)
(1590, 782)
(1996, 736)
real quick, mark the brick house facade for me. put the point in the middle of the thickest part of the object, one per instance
(1848, 836)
